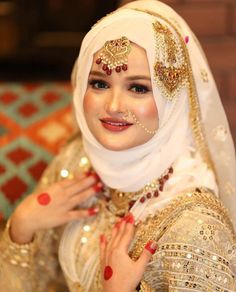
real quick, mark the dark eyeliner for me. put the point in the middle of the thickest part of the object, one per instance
(140, 86)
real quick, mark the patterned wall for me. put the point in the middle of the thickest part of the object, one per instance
(35, 121)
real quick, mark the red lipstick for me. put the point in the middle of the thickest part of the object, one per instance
(115, 125)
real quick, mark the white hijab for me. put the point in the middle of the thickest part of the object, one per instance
(131, 169)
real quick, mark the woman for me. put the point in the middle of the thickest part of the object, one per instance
(154, 130)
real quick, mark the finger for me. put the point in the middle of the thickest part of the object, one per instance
(119, 228)
(148, 251)
(81, 185)
(103, 244)
(82, 213)
(83, 196)
(128, 233)
(109, 246)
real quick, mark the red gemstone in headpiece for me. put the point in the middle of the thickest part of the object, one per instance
(104, 67)
(118, 69)
(124, 67)
(98, 61)
(109, 71)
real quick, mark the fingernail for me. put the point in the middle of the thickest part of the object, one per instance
(93, 211)
(87, 173)
(98, 187)
(117, 225)
(95, 175)
(151, 246)
(129, 218)
(102, 238)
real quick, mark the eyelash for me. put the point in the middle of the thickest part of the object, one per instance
(94, 83)
(144, 88)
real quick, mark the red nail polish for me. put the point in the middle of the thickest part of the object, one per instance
(102, 238)
(96, 177)
(98, 187)
(130, 219)
(151, 246)
(87, 173)
(117, 224)
(93, 211)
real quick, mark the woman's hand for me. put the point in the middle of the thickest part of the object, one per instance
(119, 271)
(54, 207)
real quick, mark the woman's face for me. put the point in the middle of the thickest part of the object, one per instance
(109, 97)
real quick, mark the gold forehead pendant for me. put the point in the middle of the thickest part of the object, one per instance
(114, 55)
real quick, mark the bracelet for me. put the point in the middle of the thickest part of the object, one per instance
(144, 287)
(16, 254)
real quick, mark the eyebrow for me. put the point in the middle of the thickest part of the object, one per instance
(130, 78)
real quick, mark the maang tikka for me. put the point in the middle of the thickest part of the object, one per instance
(114, 55)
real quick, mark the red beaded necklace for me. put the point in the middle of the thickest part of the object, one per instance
(119, 203)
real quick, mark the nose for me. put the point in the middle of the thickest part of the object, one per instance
(114, 102)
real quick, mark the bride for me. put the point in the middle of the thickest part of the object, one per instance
(144, 188)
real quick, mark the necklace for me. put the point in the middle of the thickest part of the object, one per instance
(119, 203)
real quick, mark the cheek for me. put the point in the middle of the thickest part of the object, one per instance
(88, 103)
(147, 110)
(91, 105)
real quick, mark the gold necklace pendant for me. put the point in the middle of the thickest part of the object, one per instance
(121, 202)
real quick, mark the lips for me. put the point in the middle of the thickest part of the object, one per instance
(115, 125)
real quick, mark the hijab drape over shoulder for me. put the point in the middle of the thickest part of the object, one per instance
(189, 107)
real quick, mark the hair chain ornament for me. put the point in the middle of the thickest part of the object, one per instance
(171, 70)
(131, 116)
(114, 55)
(195, 114)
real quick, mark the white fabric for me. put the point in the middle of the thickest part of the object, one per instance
(131, 169)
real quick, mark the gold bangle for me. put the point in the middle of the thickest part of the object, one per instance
(16, 254)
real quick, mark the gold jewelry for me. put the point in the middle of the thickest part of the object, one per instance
(130, 115)
(171, 70)
(120, 202)
(114, 55)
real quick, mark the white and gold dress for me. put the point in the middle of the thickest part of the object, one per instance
(197, 245)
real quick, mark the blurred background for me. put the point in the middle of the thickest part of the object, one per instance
(39, 42)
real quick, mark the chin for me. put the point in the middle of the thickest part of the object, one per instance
(114, 145)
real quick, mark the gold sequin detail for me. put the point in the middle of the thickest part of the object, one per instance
(204, 75)
(154, 227)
